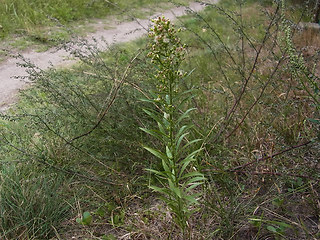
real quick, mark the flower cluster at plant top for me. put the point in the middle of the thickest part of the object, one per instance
(167, 52)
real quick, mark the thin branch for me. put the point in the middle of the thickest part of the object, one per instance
(247, 79)
(212, 52)
(224, 12)
(258, 98)
(66, 141)
(110, 103)
(273, 174)
(269, 157)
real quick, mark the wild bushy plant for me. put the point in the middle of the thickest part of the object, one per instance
(178, 176)
(298, 66)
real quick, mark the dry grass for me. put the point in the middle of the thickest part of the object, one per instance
(308, 36)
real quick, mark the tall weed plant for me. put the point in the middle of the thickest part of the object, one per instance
(299, 70)
(178, 175)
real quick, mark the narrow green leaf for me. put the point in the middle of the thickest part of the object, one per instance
(282, 224)
(174, 189)
(3, 124)
(184, 97)
(190, 157)
(191, 199)
(165, 199)
(147, 100)
(157, 172)
(162, 129)
(190, 143)
(187, 99)
(272, 229)
(166, 167)
(188, 75)
(156, 153)
(181, 131)
(187, 160)
(155, 115)
(157, 189)
(193, 186)
(183, 168)
(179, 141)
(167, 98)
(180, 95)
(192, 174)
(157, 134)
(169, 153)
(194, 180)
(255, 219)
(185, 115)
(317, 121)
(166, 123)
(160, 190)
(173, 207)
(285, 225)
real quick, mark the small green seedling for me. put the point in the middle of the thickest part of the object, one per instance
(108, 237)
(101, 212)
(295, 185)
(86, 219)
(276, 227)
(278, 202)
(117, 218)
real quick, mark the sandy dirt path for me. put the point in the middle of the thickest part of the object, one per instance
(123, 32)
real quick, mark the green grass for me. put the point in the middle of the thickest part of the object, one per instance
(32, 203)
(23, 16)
(43, 24)
(28, 17)
(251, 203)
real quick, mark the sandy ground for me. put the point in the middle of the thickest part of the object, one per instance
(122, 32)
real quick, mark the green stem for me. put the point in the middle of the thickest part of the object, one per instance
(172, 146)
